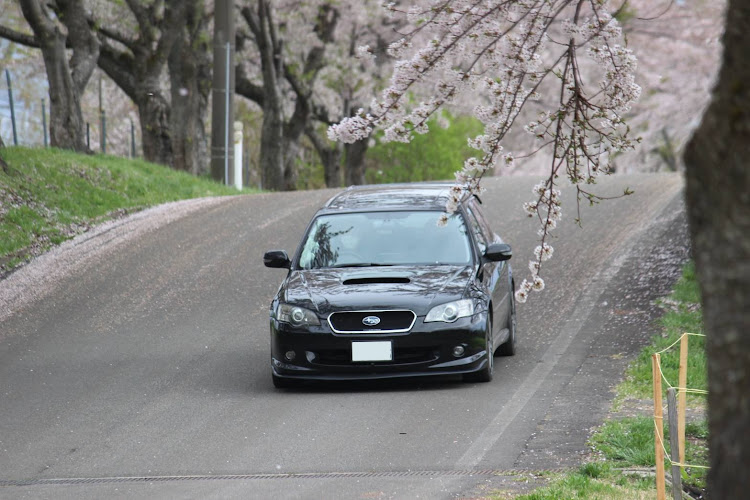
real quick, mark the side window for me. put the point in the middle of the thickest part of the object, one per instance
(309, 250)
(476, 229)
(485, 227)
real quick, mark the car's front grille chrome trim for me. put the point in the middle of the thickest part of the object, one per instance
(373, 331)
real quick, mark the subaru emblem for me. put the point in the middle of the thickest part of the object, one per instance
(371, 321)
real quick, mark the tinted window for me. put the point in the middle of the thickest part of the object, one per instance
(477, 230)
(483, 224)
(388, 238)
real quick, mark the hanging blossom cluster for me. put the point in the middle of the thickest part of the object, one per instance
(502, 51)
(547, 208)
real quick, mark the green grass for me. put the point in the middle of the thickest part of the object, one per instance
(683, 315)
(50, 195)
(593, 480)
(686, 290)
(629, 442)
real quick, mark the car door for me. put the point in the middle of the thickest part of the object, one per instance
(495, 273)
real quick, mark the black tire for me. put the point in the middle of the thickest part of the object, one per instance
(283, 383)
(508, 348)
(485, 374)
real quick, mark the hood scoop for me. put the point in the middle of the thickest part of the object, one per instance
(377, 280)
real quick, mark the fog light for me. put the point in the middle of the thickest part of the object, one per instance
(290, 355)
(458, 351)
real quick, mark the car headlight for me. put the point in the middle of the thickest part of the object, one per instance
(296, 315)
(451, 311)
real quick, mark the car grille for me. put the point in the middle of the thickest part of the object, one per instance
(388, 321)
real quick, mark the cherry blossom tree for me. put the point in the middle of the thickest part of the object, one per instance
(289, 40)
(508, 51)
(357, 68)
(299, 63)
(190, 69)
(136, 41)
(57, 27)
(133, 42)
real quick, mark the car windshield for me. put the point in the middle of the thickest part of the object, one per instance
(385, 239)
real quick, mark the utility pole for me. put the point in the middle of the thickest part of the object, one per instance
(222, 109)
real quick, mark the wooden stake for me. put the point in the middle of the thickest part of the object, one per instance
(661, 492)
(682, 381)
(674, 445)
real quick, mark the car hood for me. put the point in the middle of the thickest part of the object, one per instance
(374, 288)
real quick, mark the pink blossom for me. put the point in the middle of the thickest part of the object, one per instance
(499, 53)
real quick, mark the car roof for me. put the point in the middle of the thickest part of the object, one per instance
(415, 196)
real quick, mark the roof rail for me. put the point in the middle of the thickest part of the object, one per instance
(361, 187)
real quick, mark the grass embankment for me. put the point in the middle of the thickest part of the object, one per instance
(48, 196)
(624, 448)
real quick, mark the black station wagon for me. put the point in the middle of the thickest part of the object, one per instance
(377, 289)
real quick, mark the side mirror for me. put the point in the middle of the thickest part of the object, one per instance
(497, 252)
(276, 258)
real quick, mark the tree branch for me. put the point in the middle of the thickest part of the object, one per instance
(18, 37)
(113, 35)
(37, 16)
(141, 17)
(119, 66)
(252, 20)
(174, 15)
(244, 87)
(82, 40)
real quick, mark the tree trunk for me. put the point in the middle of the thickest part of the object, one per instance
(330, 156)
(153, 111)
(190, 78)
(355, 162)
(292, 135)
(272, 149)
(138, 70)
(718, 198)
(272, 143)
(67, 79)
(331, 166)
(291, 156)
(82, 41)
(150, 58)
(66, 120)
(280, 141)
(3, 164)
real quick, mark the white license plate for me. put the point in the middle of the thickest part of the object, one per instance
(372, 351)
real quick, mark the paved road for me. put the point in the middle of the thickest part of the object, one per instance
(146, 373)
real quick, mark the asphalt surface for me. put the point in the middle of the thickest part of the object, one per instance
(146, 373)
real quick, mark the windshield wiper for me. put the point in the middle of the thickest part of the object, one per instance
(362, 264)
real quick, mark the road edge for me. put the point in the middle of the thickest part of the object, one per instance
(44, 273)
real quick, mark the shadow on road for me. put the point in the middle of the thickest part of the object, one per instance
(377, 386)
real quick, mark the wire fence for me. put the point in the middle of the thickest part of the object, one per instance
(676, 398)
(25, 122)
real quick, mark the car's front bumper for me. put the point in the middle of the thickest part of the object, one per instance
(426, 350)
